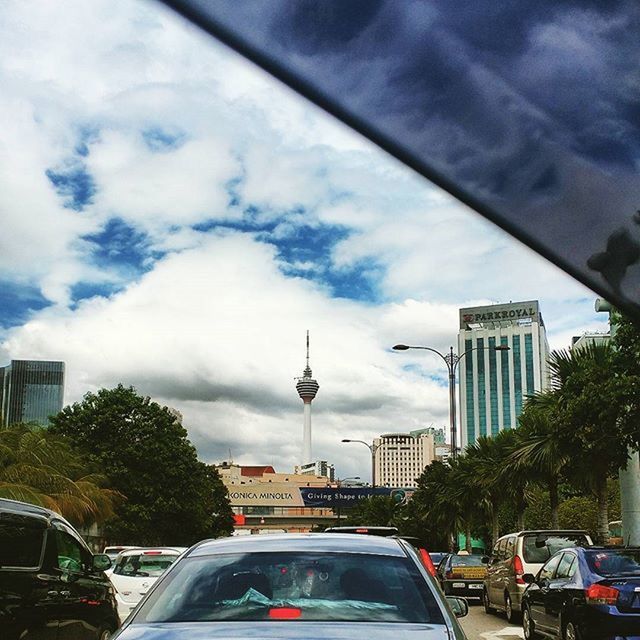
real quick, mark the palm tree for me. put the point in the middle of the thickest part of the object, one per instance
(537, 453)
(41, 468)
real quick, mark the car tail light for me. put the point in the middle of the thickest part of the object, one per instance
(362, 530)
(518, 569)
(427, 562)
(152, 553)
(601, 594)
(285, 613)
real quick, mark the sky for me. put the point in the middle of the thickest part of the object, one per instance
(175, 219)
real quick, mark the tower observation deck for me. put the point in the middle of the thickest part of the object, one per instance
(307, 389)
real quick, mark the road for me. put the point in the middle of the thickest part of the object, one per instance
(480, 626)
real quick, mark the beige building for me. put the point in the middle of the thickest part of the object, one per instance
(402, 457)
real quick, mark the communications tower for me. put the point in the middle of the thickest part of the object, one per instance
(307, 389)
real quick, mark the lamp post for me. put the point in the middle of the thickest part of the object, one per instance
(373, 447)
(452, 360)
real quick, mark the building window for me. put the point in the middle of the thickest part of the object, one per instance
(482, 393)
(528, 361)
(506, 389)
(468, 379)
(493, 387)
(517, 374)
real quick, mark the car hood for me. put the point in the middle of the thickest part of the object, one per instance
(285, 630)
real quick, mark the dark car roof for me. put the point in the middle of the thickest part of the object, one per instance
(26, 509)
(309, 542)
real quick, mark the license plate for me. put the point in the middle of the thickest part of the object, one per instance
(459, 585)
(475, 586)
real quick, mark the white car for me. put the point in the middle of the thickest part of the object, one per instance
(135, 570)
(113, 552)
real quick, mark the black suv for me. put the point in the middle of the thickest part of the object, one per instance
(51, 586)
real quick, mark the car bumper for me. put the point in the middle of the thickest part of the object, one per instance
(607, 623)
(463, 588)
(125, 607)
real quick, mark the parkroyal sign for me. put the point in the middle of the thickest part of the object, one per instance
(499, 313)
(267, 494)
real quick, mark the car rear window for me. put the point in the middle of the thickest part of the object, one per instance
(614, 562)
(538, 548)
(144, 565)
(20, 543)
(292, 586)
(466, 561)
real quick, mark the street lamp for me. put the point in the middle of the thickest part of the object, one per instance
(452, 360)
(373, 447)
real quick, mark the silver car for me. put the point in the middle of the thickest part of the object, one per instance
(310, 586)
(516, 554)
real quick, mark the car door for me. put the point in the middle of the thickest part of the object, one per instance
(558, 594)
(496, 569)
(538, 597)
(28, 602)
(80, 594)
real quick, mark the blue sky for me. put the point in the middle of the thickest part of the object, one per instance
(175, 219)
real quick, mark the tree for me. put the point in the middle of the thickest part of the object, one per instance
(41, 468)
(585, 407)
(172, 497)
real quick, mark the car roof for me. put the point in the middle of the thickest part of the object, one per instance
(27, 509)
(528, 532)
(307, 542)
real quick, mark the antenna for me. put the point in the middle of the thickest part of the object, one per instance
(307, 348)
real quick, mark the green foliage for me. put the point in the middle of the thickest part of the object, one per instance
(172, 497)
(39, 467)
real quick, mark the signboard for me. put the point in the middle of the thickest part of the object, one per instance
(497, 313)
(272, 494)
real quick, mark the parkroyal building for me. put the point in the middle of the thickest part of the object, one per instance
(494, 384)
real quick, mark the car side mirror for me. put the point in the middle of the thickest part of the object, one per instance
(100, 562)
(459, 606)
(528, 578)
(485, 559)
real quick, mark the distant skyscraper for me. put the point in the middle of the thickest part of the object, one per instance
(307, 389)
(494, 384)
(402, 457)
(31, 391)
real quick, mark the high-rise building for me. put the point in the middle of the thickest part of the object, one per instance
(402, 457)
(31, 391)
(319, 468)
(494, 384)
(307, 389)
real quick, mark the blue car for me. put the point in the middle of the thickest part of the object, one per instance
(584, 593)
(306, 586)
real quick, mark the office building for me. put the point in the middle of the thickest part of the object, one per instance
(577, 342)
(402, 457)
(319, 468)
(31, 391)
(494, 384)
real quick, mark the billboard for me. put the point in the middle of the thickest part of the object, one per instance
(499, 313)
(272, 494)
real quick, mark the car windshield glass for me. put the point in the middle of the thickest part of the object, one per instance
(614, 562)
(144, 565)
(466, 561)
(540, 547)
(268, 586)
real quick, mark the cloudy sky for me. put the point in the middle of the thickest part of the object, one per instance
(174, 219)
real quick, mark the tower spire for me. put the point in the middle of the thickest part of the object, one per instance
(307, 389)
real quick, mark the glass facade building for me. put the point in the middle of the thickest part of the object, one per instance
(31, 391)
(494, 384)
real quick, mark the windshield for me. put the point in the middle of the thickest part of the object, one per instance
(614, 562)
(538, 548)
(466, 561)
(144, 566)
(268, 586)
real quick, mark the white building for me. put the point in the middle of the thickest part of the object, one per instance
(493, 383)
(402, 457)
(319, 468)
(578, 342)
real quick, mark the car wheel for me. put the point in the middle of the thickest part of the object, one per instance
(486, 602)
(528, 626)
(571, 632)
(512, 616)
(104, 634)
